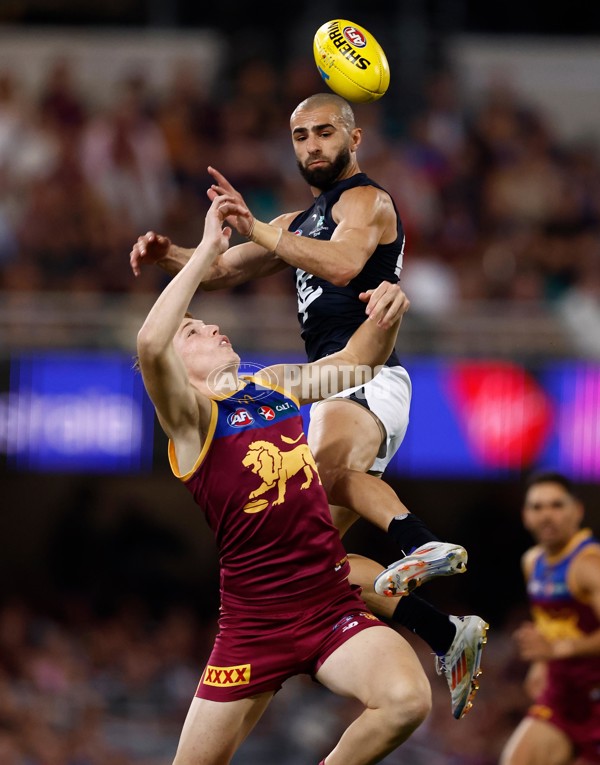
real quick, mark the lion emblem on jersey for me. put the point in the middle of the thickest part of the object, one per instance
(275, 467)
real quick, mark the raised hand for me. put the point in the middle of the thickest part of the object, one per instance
(242, 220)
(385, 304)
(148, 250)
(215, 233)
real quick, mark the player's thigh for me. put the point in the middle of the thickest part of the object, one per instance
(363, 572)
(213, 730)
(378, 667)
(535, 742)
(344, 434)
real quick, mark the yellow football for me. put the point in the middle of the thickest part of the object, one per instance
(351, 61)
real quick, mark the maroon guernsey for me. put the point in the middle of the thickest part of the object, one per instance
(571, 697)
(257, 483)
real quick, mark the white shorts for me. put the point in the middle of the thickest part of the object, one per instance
(388, 396)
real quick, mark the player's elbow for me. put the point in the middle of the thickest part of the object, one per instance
(341, 277)
(337, 281)
(148, 349)
(144, 338)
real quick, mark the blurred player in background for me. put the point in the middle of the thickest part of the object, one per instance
(287, 607)
(562, 641)
(348, 241)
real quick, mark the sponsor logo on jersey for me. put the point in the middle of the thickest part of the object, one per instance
(537, 588)
(319, 226)
(240, 418)
(225, 677)
(266, 413)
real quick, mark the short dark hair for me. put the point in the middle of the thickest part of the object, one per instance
(551, 476)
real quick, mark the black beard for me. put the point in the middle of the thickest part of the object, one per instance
(323, 178)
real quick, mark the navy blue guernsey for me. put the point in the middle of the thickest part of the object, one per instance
(329, 315)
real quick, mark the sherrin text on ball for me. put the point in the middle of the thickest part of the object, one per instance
(351, 61)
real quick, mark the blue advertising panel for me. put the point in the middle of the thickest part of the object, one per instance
(495, 419)
(88, 411)
(574, 445)
(72, 412)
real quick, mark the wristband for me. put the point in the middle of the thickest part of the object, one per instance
(264, 234)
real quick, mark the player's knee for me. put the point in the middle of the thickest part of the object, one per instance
(408, 704)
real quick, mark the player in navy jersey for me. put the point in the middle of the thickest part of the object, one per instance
(287, 607)
(562, 642)
(348, 241)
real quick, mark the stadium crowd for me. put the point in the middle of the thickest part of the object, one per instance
(80, 688)
(496, 205)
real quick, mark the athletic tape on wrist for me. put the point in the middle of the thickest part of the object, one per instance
(266, 235)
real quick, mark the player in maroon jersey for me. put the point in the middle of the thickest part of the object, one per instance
(287, 607)
(349, 240)
(562, 641)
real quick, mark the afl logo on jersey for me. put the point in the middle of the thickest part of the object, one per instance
(266, 413)
(240, 418)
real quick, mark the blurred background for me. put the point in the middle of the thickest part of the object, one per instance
(489, 141)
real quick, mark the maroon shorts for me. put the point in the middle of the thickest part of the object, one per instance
(576, 712)
(256, 652)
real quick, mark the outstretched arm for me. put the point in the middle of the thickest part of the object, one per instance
(178, 403)
(364, 216)
(368, 348)
(237, 265)
(155, 249)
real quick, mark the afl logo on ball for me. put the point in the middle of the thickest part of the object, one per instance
(354, 37)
